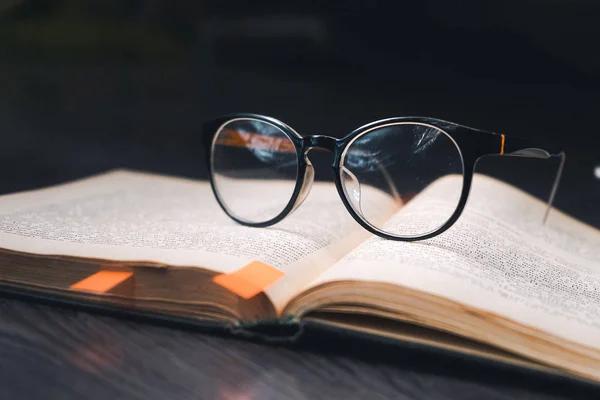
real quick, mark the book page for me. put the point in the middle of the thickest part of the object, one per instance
(129, 216)
(498, 257)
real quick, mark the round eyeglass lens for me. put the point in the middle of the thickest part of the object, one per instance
(403, 179)
(254, 169)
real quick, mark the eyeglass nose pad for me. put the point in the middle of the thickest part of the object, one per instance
(352, 189)
(309, 177)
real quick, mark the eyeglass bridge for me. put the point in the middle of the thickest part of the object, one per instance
(320, 142)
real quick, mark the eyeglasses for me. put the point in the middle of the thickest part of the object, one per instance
(260, 171)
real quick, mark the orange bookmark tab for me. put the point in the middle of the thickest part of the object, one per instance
(101, 282)
(249, 280)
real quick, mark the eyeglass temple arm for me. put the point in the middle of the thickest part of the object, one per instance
(521, 147)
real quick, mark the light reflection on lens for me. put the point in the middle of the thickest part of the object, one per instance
(384, 169)
(254, 169)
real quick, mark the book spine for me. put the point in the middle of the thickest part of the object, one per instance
(287, 329)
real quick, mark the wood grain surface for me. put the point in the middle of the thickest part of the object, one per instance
(53, 353)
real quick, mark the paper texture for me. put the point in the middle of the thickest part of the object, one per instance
(498, 257)
(129, 216)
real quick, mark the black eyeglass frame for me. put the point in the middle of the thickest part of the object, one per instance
(472, 144)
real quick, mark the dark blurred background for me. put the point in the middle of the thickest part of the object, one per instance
(87, 86)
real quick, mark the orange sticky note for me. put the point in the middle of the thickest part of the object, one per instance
(249, 280)
(101, 282)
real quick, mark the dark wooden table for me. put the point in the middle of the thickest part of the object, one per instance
(53, 353)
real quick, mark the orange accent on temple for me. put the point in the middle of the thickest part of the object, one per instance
(101, 282)
(503, 138)
(249, 280)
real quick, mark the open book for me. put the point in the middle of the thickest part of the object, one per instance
(498, 284)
